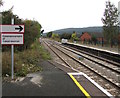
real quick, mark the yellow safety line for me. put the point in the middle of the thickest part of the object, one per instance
(80, 87)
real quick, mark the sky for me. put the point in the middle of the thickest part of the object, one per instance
(59, 14)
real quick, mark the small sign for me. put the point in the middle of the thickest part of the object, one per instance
(12, 39)
(12, 28)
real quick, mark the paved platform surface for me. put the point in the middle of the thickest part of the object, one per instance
(50, 82)
(90, 86)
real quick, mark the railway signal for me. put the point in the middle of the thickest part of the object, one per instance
(41, 33)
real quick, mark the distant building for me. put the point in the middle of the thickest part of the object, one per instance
(85, 36)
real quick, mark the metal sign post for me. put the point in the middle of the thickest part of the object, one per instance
(12, 35)
(12, 55)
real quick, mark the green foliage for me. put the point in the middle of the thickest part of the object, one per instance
(49, 34)
(55, 36)
(6, 19)
(65, 36)
(32, 30)
(6, 63)
(94, 39)
(110, 21)
(8, 15)
(1, 3)
(28, 69)
(74, 36)
(26, 61)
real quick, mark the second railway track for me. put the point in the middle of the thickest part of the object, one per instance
(74, 63)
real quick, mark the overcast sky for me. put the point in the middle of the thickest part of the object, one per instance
(58, 14)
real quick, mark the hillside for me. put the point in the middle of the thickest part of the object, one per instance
(79, 30)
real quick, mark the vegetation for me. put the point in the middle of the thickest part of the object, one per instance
(110, 21)
(26, 61)
(94, 39)
(27, 56)
(65, 36)
(55, 36)
(32, 30)
(110, 30)
(49, 34)
(1, 3)
(79, 30)
(74, 37)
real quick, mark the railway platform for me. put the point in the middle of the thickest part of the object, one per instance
(97, 48)
(53, 81)
(50, 82)
(85, 84)
(110, 55)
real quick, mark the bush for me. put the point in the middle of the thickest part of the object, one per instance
(26, 61)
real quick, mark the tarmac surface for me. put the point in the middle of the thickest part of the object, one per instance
(50, 82)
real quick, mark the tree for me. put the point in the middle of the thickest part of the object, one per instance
(6, 19)
(110, 21)
(1, 3)
(65, 36)
(32, 31)
(74, 36)
(7, 15)
(55, 35)
(49, 34)
(94, 39)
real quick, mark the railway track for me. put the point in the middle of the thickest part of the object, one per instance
(78, 65)
(104, 63)
(113, 66)
(102, 56)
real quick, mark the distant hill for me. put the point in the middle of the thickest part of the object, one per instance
(79, 30)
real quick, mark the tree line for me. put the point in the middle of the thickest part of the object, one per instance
(68, 36)
(32, 30)
(110, 27)
(73, 37)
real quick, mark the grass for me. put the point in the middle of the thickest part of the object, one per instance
(26, 61)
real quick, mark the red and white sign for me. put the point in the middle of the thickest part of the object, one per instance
(12, 34)
(12, 39)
